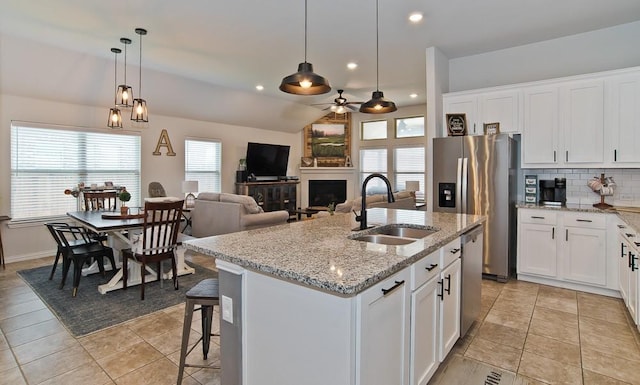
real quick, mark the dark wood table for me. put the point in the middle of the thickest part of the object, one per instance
(308, 212)
(2, 219)
(115, 228)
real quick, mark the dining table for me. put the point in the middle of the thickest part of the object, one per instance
(120, 230)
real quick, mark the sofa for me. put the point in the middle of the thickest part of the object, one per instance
(222, 213)
(405, 200)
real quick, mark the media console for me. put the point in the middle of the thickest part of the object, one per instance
(272, 195)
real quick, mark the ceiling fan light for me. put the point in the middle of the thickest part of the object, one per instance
(378, 104)
(305, 82)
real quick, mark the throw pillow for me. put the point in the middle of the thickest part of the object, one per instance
(248, 202)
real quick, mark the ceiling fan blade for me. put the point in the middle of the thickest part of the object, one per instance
(352, 108)
(324, 109)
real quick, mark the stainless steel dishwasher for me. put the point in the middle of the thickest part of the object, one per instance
(472, 246)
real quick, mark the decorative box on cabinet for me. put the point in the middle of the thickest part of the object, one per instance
(501, 106)
(271, 196)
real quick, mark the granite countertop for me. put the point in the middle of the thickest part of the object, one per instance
(631, 219)
(569, 207)
(319, 254)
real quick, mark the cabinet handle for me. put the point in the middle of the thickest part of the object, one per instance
(634, 267)
(536, 217)
(629, 235)
(566, 235)
(554, 156)
(584, 220)
(433, 266)
(622, 245)
(441, 295)
(448, 289)
(392, 288)
(474, 128)
(553, 233)
(622, 226)
(453, 251)
(629, 261)
(615, 155)
(566, 156)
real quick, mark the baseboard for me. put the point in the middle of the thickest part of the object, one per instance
(28, 257)
(570, 285)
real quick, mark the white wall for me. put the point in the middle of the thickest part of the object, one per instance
(601, 50)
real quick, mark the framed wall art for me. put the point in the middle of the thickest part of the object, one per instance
(491, 128)
(457, 124)
(328, 141)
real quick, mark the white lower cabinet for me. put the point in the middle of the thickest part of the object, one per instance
(585, 252)
(425, 312)
(537, 243)
(449, 308)
(628, 271)
(384, 332)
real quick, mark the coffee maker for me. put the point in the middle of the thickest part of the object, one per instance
(553, 192)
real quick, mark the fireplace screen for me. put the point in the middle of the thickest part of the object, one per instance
(324, 192)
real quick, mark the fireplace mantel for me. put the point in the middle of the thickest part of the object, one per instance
(326, 173)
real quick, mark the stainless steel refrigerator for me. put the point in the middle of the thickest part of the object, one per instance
(477, 175)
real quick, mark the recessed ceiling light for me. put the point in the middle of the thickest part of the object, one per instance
(414, 95)
(352, 65)
(415, 17)
(259, 87)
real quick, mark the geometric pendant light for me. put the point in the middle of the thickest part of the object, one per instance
(115, 117)
(305, 81)
(378, 104)
(124, 96)
(139, 110)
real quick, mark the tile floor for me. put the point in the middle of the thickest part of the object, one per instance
(539, 334)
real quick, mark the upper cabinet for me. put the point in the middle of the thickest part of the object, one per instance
(485, 107)
(586, 121)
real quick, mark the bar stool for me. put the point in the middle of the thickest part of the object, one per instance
(205, 294)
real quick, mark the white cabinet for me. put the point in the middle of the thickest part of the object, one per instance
(623, 263)
(585, 253)
(384, 332)
(537, 243)
(425, 312)
(628, 271)
(449, 307)
(624, 121)
(541, 126)
(485, 107)
(582, 121)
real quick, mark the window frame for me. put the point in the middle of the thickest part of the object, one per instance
(395, 127)
(217, 173)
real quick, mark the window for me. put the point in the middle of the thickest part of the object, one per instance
(410, 127)
(203, 162)
(409, 166)
(373, 160)
(374, 130)
(47, 160)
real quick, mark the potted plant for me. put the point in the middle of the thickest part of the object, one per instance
(124, 197)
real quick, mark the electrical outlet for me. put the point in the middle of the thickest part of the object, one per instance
(227, 309)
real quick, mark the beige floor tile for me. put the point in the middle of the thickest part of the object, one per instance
(12, 376)
(16, 298)
(106, 342)
(37, 331)
(524, 380)
(556, 292)
(56, 364)
(207, 376)
(553, 349)
(603, 308)
(610, 366)
(603, 328)
(514, 306)
(552, 315)
(159, 372)
(120, 363)
(502, 335)
(21, 308)
(518, 296)
(4, 345)
(171, 341)
(591, 378)
(514, 284)
(82, 375)
(33, 350)
(196, 358)
(155, 325)
(554, 328)
(491, 288)
(568, 305)
(621, 346)
(7, 361)
(549, 370)
(510, 319)
(491, 353)
(26, 320)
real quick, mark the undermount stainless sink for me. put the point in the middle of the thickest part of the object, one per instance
(395, 234)
(384, 239)
(404, 231)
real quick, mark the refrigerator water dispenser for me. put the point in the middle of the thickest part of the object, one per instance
(447, 195)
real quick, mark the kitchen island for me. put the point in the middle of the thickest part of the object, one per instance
(294, 297)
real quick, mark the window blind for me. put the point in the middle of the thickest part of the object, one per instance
(46, 160)
(203, 162)
(408, 165)
(373, 160)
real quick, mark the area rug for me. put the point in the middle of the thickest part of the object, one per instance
(90, 311)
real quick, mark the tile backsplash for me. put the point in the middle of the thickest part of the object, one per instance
(626, 192)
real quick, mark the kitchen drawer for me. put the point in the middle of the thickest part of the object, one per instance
(585, 220)
(542, 217)
(450, 252)
(425, 269)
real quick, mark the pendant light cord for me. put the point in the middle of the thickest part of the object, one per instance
(115, 78)
(140, 70)
(305, 31)
(125, 64)
(377, 51)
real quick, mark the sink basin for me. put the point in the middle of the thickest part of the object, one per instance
(384, 239)
(404, 231)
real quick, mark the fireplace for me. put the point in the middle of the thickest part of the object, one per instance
(324, 192)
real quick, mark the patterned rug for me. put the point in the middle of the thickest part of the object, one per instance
(90, 311)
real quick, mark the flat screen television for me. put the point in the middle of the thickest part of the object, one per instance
(267, 160)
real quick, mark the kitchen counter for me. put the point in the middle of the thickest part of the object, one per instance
(569, 207)
(318, 253)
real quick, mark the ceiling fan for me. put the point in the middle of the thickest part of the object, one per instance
(340, 104)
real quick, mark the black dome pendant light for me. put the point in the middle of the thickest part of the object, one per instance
(305, 81)
(378, 104)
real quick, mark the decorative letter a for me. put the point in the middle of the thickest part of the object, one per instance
(163, 141)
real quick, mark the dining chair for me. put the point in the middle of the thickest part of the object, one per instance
(157, 242)
(79, 248)
(100, 200)
(156, 190)
(61, 248)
